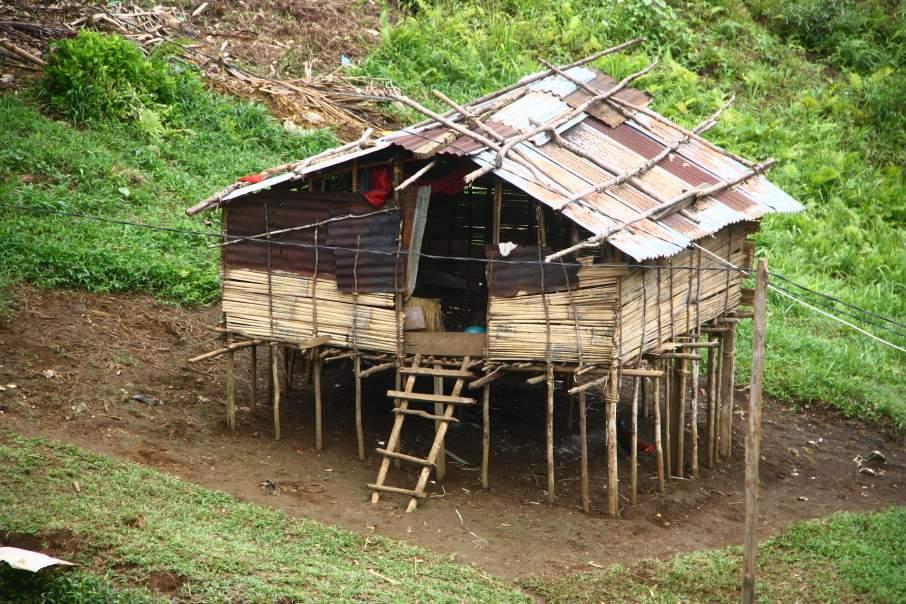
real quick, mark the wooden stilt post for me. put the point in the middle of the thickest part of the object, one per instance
(693, 421)
(713, 404)
(359, 424)
(253, 379)
(230, 392)
(396, 403)
(583, 452)
(549, 434)
(275, 390)
(646, 399)
(679, 417)
(440, 467)
(288, 362)
(485, 433)
(271, 354)
(316, 375)
(668, 392)
(753, 434)
(634, 454)
(611, 397)
(658, 446)
(726, 392)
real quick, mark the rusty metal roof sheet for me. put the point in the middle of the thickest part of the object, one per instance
(611, 140)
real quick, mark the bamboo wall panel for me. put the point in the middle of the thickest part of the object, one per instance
(370, 323)
(697, 295)
(582, 319)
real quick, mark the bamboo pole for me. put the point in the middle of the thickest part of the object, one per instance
(679, 418)
(230, 392)
(440, 464)
(668, 391)
(275, 385)
(359, 424)
(693, 426)
(485, 434)
(712, 403)
(583, 452)
(634, 454)
(753, 435)
(253, 381)
(549, 434)
(610, 399)
(726, 392)
(658, 446)
(319, 410)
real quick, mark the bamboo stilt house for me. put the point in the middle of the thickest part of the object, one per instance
(556, 226)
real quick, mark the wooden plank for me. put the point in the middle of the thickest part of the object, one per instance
(425, 397)
(444, 343)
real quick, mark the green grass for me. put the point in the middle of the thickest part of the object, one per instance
(844, 558)
(134, 521)
(834, 121)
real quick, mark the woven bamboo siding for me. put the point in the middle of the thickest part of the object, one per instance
(698, 295)
(370, 323)
(516, 325)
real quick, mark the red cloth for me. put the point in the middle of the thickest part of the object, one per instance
(451, 184)
(252, 179)
(381, 187)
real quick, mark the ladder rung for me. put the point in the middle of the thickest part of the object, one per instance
(437, 372)
(386, 489)
(420, 413)
(404, 457)
(431, 398)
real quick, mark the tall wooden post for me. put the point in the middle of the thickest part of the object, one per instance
(253, 380)
(679, 416)
(485, 433)
(611, 396)
(713, 403)
(440, 464)
(667, 367)
(316, 369)
(549, 434)
(753, 434)
(583, 453)
(634, 454)
(230, 391)
(359, 426)
(275, 389)
(726, 392)
(658, 446)
(693, 423)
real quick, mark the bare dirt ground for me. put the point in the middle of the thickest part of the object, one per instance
(75, 359)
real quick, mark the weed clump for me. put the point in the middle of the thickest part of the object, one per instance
(95, 76)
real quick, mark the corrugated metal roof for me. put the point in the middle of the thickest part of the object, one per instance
(602, 143)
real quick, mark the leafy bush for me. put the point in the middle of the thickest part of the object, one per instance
(96, 76)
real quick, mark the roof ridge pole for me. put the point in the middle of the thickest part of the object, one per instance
(543, 74)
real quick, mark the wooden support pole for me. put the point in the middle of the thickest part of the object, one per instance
(634, 454)
(549, 434)
(646, 400)
(753, 434)
(253, 379)
(319, 410)
(668, 391)
(679, 417)
(270, 372)
(713, 403)
(275, 386)
(658, 446)
(611, 396)
(485, 434)
(441, 461)
(398, 382)
(359, 424)
(693, 422)
(230, 391)
(726, 393)
(583, 453)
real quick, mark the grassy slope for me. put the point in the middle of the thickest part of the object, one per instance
(135, 521)
(833, 128)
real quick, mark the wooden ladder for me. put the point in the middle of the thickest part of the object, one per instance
(406, 396)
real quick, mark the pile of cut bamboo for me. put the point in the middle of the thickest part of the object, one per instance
(582, 321)
(291, 314)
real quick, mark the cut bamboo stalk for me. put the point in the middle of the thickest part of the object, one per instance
(549, 434)
(275, 385)
(440, 468)
(658, 446)
(377, 369)
(713, 403)
(726, 393)
(693, 425)
(230, 392)
(679, 418)
(668, 401)
(224, 350)
(253, 381)
(610, 400)
(485, 434)
(583, 453)
(359, 422)
(634, 454)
